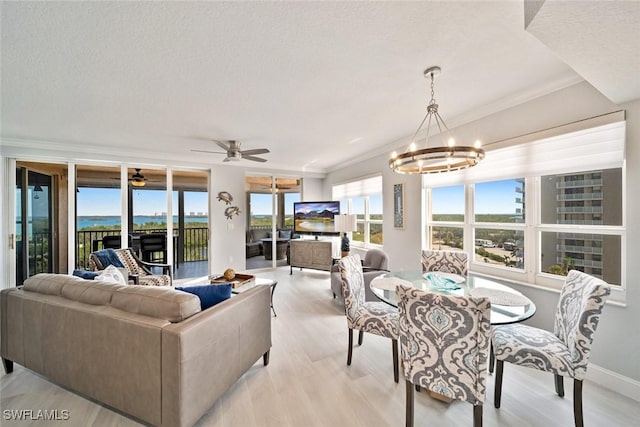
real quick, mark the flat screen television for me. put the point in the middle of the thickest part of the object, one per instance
(315, 218)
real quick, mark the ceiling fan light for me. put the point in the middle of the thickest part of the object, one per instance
(137, 182)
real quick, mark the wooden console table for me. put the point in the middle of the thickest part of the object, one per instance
(315, 254)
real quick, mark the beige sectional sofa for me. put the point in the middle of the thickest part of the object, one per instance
(147, 351)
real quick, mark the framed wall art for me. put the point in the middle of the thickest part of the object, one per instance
(398, 205)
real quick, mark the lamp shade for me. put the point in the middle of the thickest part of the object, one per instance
(345, 223)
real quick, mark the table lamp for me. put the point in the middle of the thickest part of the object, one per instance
(345, 224)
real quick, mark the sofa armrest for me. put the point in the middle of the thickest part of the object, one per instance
(207, 353)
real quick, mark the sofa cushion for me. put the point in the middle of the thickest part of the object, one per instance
(209, 295)
(85, 274)
(49, 283)
(92, 292)
(159, 302)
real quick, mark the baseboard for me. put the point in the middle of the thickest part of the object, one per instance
(614, 381)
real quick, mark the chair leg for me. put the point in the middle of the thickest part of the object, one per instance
(394, 349)
(559, 385)
(477, 415)
(409, 399)
(497, 392)
(360, 337)
(350, 347)
(265, 358)
(577, 403)
(492, 359)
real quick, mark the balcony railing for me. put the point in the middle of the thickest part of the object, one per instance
(579, 196)
(194, 242)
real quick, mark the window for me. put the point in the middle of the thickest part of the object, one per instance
(530, 215)
(364, 199)
(575, 211)
(498, 206)
(446, 229)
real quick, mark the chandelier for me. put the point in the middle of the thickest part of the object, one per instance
(446, 158)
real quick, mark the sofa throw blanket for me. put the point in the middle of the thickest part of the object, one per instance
(108, 257)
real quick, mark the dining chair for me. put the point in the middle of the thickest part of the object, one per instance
(565, 352)
(444, 346)
(374, 317)
(375, 263)
(456, 262)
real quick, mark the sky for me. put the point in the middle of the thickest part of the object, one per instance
(106, 202)
(497, 197)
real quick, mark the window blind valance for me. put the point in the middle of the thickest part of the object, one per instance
(359, 188)
(600, 147)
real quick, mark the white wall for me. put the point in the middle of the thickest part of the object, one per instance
(617, 342)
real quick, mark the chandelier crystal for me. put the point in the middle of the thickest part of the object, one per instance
(446, 158)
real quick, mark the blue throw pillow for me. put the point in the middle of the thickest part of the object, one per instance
(209, 295)
(85, 274)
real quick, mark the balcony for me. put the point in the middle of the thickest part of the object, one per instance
(579, 196)
(579, 249)
(579, 209)
(580, 183)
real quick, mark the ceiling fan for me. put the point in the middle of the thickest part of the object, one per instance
(137, 179)
(233, 151)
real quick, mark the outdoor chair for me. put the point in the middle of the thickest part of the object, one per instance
(456, 262)
(565, 352)
(114, 242)
(444, 342)
(153, 247)
(373, 317)
(139, 271)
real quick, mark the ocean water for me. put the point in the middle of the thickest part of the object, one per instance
(110, 221)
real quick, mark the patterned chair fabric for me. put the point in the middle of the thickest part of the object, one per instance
(456, 262)
(444, 342)
(136, 268)
(565, 352)
(366, 316)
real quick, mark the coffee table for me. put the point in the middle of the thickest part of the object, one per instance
(259, 281)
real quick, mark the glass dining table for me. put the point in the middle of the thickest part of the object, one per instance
(507, 304)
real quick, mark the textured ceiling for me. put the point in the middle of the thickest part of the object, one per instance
(318, 83)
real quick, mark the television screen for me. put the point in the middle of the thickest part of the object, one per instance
(315, 217)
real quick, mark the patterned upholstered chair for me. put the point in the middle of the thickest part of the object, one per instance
(444, 342)
(375, 263)
(139, 271)
(565, 352)
(366, 316)
(456, 262)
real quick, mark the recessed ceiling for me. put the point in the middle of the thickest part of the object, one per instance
(318, 83)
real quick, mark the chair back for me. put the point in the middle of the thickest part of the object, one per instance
(376, 258)
(352, 278)
(151, 244)
(131, 262)
(114, 242)
(581, 301)
(456, 262)
(444, 340)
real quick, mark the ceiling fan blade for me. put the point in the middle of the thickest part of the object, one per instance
(225, 145)
(254, 159)
(226, 159)
(255, 151)
(207, 151)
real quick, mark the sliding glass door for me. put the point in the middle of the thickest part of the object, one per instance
(34, 224)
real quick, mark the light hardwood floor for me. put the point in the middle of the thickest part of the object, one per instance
(308, 383)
